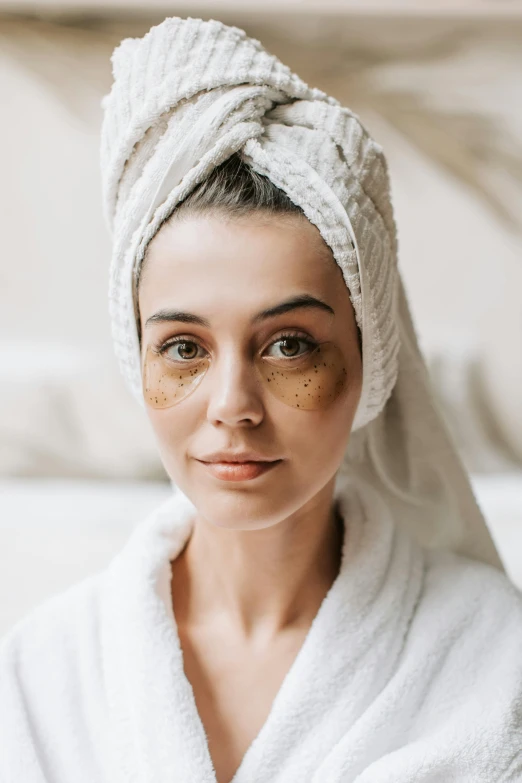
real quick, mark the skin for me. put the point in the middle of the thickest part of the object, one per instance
(263, 553)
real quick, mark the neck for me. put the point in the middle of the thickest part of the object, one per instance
(259, 581)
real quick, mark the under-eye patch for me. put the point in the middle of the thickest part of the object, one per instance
(166, 381)
(308, 382)
(313, 382)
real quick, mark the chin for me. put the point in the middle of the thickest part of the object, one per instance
(236, 509)
(240, 509)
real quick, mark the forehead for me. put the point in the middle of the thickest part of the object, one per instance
(215, 261)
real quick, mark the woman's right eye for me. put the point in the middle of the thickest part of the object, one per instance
(182, 350)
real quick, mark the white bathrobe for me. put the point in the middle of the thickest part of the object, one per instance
(410, 672)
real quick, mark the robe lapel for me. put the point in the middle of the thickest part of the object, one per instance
(347, 657)
(155, 737)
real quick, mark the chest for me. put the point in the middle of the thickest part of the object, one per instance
(234, 687)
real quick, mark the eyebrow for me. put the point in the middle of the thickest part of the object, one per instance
(294, 303)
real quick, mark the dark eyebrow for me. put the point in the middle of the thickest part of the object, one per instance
(294, 303)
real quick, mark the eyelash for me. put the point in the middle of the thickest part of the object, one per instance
(284, 336)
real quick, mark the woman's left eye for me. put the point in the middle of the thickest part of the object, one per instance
(290, 347)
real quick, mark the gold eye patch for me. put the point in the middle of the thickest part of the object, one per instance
(165, 382)
(310, 382)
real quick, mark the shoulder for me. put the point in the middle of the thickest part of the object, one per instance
(475, 613)
(44, 653)
(471, 600)
(464, 665)
(472, 614)
(46, 659)
(46, 712)
(54, 626)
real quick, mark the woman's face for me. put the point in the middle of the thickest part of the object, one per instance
(227, 306)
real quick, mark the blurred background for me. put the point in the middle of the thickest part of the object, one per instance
(437, 82)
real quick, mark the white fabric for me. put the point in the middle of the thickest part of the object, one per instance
(411, 671)
(188, 95)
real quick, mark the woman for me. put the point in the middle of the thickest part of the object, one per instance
(320, 600)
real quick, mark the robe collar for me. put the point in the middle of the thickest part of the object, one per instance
(348, 655)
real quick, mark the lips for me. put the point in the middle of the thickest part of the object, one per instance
(236, 456)
(239, 471)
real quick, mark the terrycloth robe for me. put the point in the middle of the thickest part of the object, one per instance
(411, 671)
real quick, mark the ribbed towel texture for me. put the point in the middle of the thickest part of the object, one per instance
(185, 97)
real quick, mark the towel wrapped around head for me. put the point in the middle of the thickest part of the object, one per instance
(187, 96)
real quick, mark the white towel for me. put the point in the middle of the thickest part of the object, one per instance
(411, 672)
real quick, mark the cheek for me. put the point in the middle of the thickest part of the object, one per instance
(173, 428)
(315, 440)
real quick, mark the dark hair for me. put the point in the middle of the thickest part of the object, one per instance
(232, 188)
(235, 188)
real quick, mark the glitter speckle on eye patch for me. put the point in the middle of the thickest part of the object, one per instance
(166, 384)
(297, 386)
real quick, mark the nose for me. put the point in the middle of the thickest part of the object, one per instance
(235, 396)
